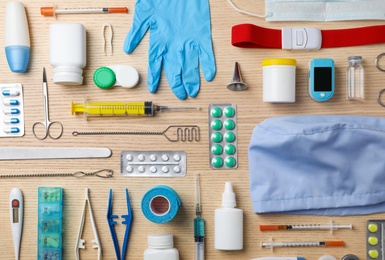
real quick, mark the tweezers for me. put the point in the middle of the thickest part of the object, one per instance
(127, 221)
(80, 241)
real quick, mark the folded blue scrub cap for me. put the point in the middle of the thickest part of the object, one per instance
(319, 165)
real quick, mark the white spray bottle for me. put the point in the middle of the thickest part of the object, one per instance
(17, 42)
(228, 228)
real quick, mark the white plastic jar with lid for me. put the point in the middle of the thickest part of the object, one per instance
(68, 52)
(161, 247)
(279, 80)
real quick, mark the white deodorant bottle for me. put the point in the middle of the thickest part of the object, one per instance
(68, 52)
(228, 229)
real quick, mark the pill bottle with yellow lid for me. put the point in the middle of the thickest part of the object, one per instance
(279, 80)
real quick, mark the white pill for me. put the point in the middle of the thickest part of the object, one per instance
(141, 157)
(141, 169)
(153, 157)
(129, 169)
(165, 169)
(153, 169)
(165, 157)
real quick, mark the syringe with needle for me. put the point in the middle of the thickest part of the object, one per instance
(303, 227)
(142, 108)
(199, 225)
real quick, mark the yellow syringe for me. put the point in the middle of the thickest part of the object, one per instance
(141, 108)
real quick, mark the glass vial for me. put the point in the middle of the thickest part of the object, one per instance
(161, 247)
(355, 78)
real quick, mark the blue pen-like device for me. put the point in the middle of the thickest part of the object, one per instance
(199, 226)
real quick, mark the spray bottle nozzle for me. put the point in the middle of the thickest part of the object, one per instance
(228, 196)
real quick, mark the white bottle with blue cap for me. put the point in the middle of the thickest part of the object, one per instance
(17, 42)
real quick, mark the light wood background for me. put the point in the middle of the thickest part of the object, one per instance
(251, 111)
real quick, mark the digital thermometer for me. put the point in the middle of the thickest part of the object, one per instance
(16, 211)
(321, 79)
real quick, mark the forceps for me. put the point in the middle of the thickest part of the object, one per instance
(46, 123)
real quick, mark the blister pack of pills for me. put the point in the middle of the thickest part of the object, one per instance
(50, 223)
(153, 163)
(375, 243)
(12, 110)
(223, 136)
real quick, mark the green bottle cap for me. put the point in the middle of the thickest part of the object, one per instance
(230, 162)
(229, 111)
(217, 162)
(229, 124)
(217, 149)
(216, 112)
(230, 149)
(104, 78)
(230, 137)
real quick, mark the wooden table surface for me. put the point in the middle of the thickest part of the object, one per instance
(251, 111)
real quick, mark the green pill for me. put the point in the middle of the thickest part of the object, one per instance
(216, 112)
(372, 227)
(216, 124)
(230, 149)
(230, 137)
(229, 124)
(217, 162)
(373, 254)
(217, 149)
(229, 111)
(230, 162)
(217, 137)
(373, 241)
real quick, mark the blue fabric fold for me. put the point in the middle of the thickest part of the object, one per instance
(320, 165)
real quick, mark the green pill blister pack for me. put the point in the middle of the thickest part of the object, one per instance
(223, 136)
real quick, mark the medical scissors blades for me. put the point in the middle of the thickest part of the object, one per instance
(127, 221)
(46, 123)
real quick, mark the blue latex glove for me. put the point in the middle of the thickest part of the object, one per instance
(180, 39)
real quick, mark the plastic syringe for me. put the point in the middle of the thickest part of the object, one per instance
(142, 108)
(52, 11)
(272, 244)
(199, 225)
(303, 227)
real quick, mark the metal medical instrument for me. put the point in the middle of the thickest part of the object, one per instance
(105, 173)
(237, 84)
(48, 125)
(127, 221)
(272, 244)
(377, 60)
(16, 212)
(141, 108)
(199, 225)
(80, 242)
(180, 133)
(52, 11)
(379, 97)
(32, 153)
(331, 226)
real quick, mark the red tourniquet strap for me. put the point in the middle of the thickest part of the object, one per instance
(252, 36)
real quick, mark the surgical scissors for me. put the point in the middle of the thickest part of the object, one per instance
(46, 123)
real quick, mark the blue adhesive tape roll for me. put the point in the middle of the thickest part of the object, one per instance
(160, 204)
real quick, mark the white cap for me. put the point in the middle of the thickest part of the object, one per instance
(160, 241)
(228, 196)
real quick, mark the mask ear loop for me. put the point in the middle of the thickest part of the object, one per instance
(107, 25)
(248, 13)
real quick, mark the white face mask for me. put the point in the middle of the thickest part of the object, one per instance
(321, 10)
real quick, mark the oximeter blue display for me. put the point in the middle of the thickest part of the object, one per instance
(321, 79)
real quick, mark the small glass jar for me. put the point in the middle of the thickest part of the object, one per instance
(355, 78)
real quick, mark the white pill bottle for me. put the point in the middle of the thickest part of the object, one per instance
(161, 247)
(68, 52)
